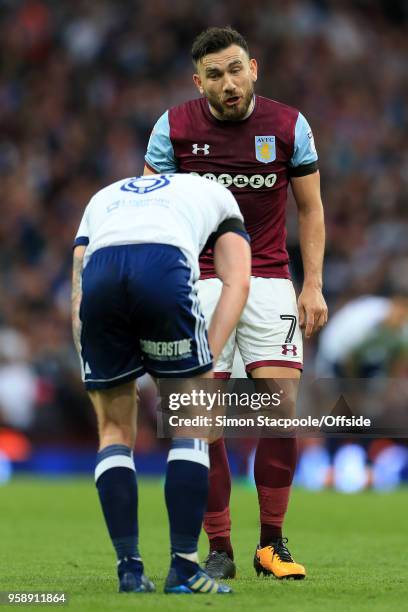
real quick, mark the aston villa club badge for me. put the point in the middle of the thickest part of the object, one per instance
(265, 150)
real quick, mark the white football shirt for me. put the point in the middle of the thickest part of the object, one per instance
(177, 209)
(348, 327)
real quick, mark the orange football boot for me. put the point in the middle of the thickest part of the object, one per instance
(277, 560)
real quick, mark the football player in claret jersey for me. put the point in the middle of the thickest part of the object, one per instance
(256, 147)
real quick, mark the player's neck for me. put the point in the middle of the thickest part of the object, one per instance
(247, 114)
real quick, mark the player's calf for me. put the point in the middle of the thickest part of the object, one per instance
(116, 482)
(186, 492)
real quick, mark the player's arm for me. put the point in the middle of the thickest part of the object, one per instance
(232, 259)
(147, 171)
(76, 294)
(311, 303)
(305, 181)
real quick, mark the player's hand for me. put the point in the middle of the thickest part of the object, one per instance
(312, 310)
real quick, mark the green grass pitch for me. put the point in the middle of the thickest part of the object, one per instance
(52, 538)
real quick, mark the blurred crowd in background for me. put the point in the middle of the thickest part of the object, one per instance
(81, 84)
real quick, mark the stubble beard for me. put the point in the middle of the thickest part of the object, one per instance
(233, 113)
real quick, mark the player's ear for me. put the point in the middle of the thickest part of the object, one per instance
(197, 83)
(253, 67)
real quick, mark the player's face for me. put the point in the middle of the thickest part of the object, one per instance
(226, 79)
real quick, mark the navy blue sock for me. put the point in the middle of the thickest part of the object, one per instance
(186, 492)
(183, 567)
(115, 478)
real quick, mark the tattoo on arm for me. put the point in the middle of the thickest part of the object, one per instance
(76, 297)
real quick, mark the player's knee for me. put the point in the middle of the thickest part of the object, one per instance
(287, 401)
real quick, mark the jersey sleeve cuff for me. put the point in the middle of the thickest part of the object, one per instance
(242, 233)
(229, 225)
(304, 169)
(81, 241)
(151, 167)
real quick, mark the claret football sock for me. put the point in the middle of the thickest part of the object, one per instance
(275, 464)
(186, 492)
(115, 478)
(217, 521)
(269, 534)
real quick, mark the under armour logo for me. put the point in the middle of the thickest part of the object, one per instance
(204, 150)
(289, 348)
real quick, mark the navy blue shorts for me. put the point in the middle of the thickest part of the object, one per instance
(140, 313)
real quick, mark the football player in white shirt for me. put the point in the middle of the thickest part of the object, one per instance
(348, 327)
(135, 309)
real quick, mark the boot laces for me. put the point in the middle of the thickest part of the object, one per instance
(280, 549)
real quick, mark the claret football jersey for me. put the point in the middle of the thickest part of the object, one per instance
(254, 158)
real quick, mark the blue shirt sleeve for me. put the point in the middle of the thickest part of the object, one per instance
(160, 154)
(81, 241)
(304, 151)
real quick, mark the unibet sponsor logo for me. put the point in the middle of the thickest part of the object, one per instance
(241, 180)
(177, 349)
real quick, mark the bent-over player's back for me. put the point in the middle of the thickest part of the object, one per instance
(173, 209)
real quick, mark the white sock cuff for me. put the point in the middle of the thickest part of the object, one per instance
(190, 450)
(114, 461)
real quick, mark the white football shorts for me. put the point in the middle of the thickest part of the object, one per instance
(268, 332)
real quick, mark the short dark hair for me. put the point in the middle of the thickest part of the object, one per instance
(216, 39)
